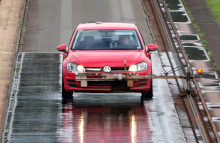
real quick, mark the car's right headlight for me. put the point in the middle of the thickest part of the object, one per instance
(142, 66)
(74, 67)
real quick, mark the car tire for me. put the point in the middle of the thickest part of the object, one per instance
(66, 94)
(148, 94)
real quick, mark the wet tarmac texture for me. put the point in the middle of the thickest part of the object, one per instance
(52, 22)
(37, 99)
(40, 115)
(37, 112)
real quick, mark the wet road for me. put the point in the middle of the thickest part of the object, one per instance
(51, 22)
(37, 112)
(104, 120)
(40, 114)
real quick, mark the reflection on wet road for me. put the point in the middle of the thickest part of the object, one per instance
(38, 113)
(115, 118)
(35, 99)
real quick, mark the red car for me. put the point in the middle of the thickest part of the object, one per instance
(106, 57)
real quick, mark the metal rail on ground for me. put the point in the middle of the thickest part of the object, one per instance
(203, 131)
(198, 89)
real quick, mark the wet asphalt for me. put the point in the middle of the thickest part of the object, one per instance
(41, 115)
(52, 22)
(37, 112)
(36, 95)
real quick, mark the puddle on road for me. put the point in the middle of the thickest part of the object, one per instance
(105, 99)
(87, 118)
(39, 116)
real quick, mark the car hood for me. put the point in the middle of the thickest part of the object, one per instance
(110, 58)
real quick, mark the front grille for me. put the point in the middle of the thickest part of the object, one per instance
(118, 68)
(114, 85)
(99, 83)
(93, 69)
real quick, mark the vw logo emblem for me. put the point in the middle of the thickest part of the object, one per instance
(107, 69)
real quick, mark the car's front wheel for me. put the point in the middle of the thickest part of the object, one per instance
(148, 94)
(66, 94)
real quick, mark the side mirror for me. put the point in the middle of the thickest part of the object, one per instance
(61, 48)
(152, 47)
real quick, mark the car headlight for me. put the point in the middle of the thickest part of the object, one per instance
(74, 67)
(133, 68)
(138, 67)
(80, 68)
(142, 66)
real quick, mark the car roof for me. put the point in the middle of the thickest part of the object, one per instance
(100, 26)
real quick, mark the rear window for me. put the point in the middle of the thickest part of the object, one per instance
(106, 40)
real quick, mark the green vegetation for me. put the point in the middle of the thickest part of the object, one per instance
(17, 69)
(24, 24)
(215, 7)
(20, 44)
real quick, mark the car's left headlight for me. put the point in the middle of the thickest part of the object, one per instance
(74, 67)
(138, 67)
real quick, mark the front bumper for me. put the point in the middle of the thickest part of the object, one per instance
(107, 82)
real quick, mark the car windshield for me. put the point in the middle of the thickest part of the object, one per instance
(106, 40)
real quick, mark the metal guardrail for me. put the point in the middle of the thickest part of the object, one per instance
(189, 71)
(198, 89)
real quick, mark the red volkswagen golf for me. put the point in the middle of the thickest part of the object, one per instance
(106, 57)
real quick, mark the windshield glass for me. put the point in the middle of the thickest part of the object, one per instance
(106, 40)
